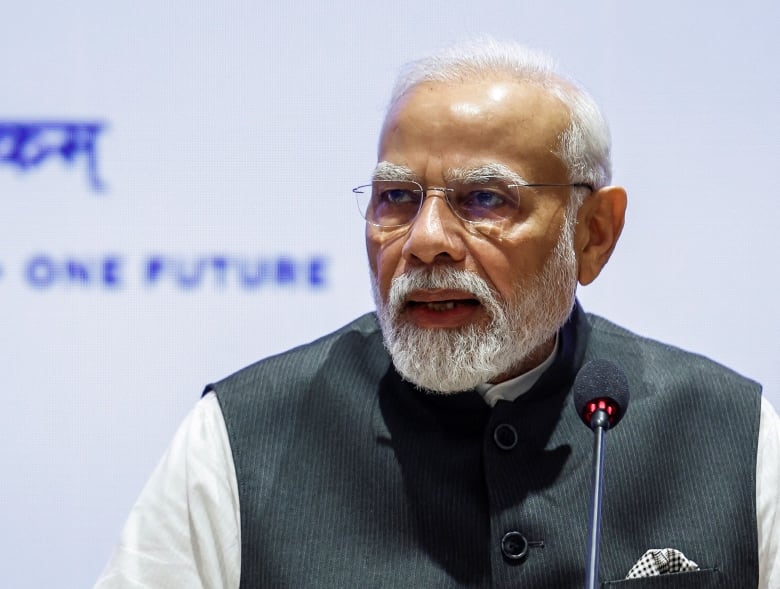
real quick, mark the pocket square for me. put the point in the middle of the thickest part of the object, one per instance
(660, 561)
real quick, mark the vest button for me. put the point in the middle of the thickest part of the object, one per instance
(514, 545)
(505, 436)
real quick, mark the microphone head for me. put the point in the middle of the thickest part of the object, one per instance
(600, 384)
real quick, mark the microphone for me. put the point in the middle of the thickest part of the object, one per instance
(601, 400)
(601, 386)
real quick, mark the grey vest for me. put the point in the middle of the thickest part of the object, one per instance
(350, 477)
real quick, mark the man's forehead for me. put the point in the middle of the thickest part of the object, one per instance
(507, 108)
(471, 94)
(440, 125)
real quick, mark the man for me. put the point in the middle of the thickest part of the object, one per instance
(435, 445)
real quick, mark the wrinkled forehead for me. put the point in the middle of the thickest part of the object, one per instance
(515, 123)
(497, 100)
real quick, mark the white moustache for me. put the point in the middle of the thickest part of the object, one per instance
(442, 278)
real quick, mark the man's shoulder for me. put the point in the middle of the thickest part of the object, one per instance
(346, 345)
(652, 360)
(361, 329)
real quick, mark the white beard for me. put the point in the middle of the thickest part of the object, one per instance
(453, 360)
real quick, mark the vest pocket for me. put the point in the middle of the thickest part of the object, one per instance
(702, 579)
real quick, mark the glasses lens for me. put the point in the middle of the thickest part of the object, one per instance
(389, 203)
(486, 200)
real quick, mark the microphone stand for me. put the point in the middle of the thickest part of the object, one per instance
(599, 423)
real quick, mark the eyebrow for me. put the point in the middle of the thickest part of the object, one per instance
(389, 171)
(483, 173)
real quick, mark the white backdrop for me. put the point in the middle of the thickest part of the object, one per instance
(226, 231)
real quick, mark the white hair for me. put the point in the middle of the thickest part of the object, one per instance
(584, 147)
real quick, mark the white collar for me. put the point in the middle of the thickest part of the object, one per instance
(511, 389)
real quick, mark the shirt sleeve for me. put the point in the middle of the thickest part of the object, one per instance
(184, 530)
(768, 497)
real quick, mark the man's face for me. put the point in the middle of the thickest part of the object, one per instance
(440, 128)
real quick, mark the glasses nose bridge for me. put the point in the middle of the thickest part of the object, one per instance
(441, 192)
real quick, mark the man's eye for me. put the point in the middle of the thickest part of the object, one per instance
(484, 199)
(398, 196)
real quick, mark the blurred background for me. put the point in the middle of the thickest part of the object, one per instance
(175, 203)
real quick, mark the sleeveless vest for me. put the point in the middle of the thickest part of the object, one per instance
(350, 477)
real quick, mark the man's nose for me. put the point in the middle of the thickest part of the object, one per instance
(436, 234)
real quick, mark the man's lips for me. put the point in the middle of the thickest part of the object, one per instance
(444, 305)
(435, 296)
(441, 308)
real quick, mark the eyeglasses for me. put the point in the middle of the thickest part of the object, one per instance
(396, 203)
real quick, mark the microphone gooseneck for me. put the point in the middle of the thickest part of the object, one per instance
(601, 400)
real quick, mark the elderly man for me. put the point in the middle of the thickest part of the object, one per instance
(434, 444)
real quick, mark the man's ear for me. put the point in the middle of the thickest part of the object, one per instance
(599, 224)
